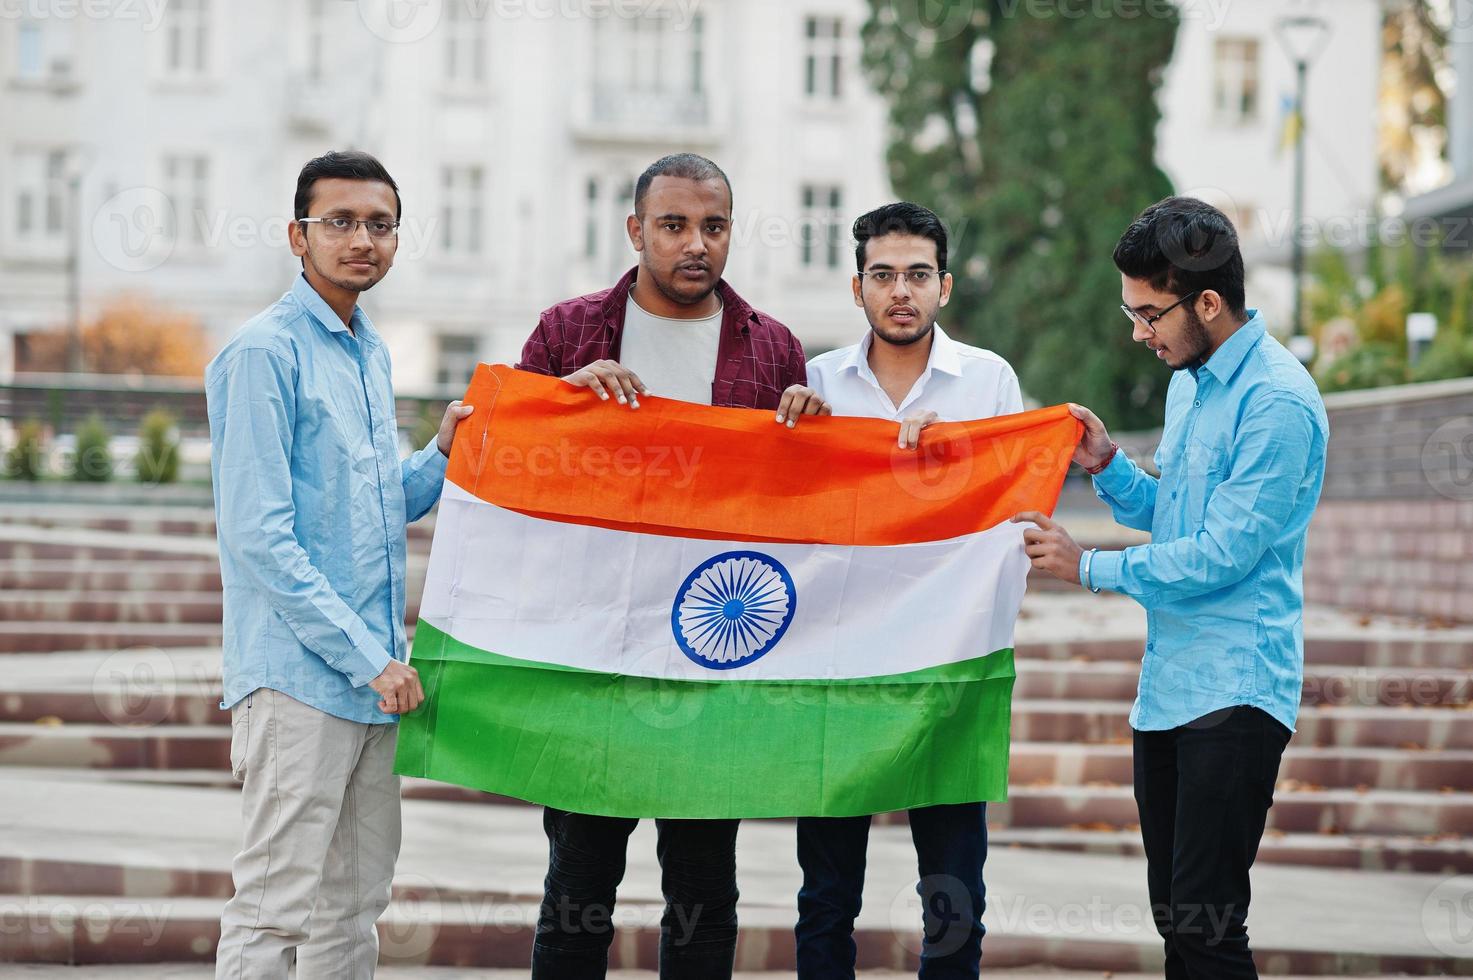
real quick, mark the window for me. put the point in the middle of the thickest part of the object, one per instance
(457, 359)
(823, 59)
(1235, 81)
(648, 55)
(43, 49)
(314, 38)
(590, 220)
(461, 210)
(40, 203)
(465, 44)
(820, 234)
(187, 38)
(187, 186)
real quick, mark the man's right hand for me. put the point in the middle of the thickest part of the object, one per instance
(610, 377)
(1094, 449)
(400, 687)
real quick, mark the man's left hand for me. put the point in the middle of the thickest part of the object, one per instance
(1050, 546)
(455, 412)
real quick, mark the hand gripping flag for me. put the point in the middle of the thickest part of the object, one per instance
(686, 611)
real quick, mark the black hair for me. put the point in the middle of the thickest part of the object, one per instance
(900, 218)
(1182, 245)
(345, 164)
(687, 166)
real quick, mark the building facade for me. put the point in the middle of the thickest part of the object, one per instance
(151, 146)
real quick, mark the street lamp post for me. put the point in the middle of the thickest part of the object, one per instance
(1303, 39)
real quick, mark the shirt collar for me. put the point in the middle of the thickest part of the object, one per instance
(944, 357)
(314, 304)
(1224, 363)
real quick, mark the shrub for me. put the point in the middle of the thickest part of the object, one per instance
(158, 448)
(92, 461)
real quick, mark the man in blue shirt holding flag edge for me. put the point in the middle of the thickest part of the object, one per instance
(1242, 462)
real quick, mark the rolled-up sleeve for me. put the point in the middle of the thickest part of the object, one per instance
(251, 401)
(1129, 491)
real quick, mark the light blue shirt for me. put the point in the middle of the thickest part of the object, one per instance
(1242, 462)
(311, 505)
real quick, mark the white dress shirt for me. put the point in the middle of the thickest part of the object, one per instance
(960, 383)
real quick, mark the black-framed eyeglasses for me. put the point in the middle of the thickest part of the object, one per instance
(916, 277)
(1149, 322)
(343, 226)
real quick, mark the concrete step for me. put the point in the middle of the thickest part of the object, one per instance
(1451, 654)
(1363, 727)
(65, 575)
(1071, 907)
(45, 637)
(189, 743)
(122, 606)
(1324, 684)
(1434, 855)
(473, 932)
(178, 521)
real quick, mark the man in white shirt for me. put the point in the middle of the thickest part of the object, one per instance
(908, 370)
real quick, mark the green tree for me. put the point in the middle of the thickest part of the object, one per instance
(1033, 136)
(26, 460)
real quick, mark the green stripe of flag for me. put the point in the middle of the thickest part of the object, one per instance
(642, 747)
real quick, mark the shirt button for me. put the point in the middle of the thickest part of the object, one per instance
(1197, 403)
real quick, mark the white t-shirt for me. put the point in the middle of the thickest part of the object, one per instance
(674, 358)
(960, 383)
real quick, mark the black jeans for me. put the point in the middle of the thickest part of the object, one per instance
(698, 931)
(1204, 791)
(951, 846)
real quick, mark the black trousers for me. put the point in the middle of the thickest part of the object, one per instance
(1204, 791)
(698, 931)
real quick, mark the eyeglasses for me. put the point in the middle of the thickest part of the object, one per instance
(339, 226)
(916, 277)
(1149, 322)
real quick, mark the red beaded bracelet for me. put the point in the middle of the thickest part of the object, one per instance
(1096, 471)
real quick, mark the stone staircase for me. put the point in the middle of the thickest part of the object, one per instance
(110, 625)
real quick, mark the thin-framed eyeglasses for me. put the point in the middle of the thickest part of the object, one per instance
(1149, 322)
(343, 226)
(916, 277)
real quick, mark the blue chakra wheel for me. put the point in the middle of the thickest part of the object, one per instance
(733, 609)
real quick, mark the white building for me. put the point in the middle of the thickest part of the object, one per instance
(515, 129)
(1226, 101)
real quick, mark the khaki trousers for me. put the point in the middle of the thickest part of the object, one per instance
(321, 835)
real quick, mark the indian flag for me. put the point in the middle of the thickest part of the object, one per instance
(686, 611)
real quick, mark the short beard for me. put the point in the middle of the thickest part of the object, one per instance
(1194, 333)
(351, 287)
(904, 341)
(668, 291)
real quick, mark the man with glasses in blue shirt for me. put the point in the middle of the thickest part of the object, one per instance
(311, 503)
(1242, 462)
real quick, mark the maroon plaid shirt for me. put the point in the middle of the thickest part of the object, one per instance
(757, 358)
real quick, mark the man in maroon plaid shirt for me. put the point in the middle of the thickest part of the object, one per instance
(673, 327)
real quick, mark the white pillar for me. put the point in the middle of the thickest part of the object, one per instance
(1460, 111)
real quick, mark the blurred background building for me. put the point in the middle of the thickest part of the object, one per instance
(152, 151)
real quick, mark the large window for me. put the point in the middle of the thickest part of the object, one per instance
(43, 49)
(464, 32)
(39, 198)
(187, 186)
(457, 358)
(1235, 81)
(462, 210)
(187, 37)
(823, 58)
(820, 230)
